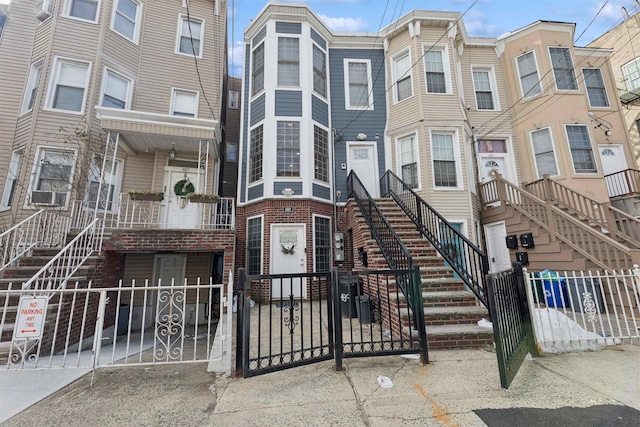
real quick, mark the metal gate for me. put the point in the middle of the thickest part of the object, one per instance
(354, 314)
(512, 331)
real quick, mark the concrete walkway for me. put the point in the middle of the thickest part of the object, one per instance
(444, 393)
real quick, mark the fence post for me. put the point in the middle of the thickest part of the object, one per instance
(337, 319)
(547, 188)
(239, 322)
(97, 337)
(521, 289)
(418, 309)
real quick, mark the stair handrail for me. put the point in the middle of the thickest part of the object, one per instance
(464, 257)
(66, 262)
(623, 183)
(44, 228)
(599, 248)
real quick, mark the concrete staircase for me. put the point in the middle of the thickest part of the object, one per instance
(451, 312)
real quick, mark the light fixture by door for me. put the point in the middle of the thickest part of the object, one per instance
(172, 152)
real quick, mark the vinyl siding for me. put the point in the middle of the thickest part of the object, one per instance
(245, 129)
(257, 110)
(288, 28)
(318, 39)
(279, 186)
(321, 192)
(319, 111)
(288, 103)
(255, 192)
(259, 37)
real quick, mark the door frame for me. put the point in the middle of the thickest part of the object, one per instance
(374, 145)
(168, 190)
(509, 158)
(488, 243)
(272, 249)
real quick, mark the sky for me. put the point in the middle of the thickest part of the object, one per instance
(485, 18)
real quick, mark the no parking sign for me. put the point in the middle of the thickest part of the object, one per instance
(30, 317)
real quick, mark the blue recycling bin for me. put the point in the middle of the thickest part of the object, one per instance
(555, 289)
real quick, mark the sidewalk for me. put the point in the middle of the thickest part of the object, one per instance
(444, 393)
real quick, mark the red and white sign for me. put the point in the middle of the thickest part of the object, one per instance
(30, 318)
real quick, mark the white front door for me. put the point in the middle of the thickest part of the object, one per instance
(613, 160)
(494, 158)
(288, 257)
(179, 212)
(491, 166)
(498, 253)
(362, 160)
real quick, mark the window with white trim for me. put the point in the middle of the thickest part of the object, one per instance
(580, 147)
(116, 90)
(31, 91)
(255, 154)
(52, 176)
(358, 93)
(288, 61)
(484, 87)
(257, 70)
(254, 245)
(436, 66)
(321, 154)
(83, 9)
(563, 68)
(528, 72)
(234, 99)
(402, 76)
(631, 73)
(189, 40)
(110, 184)
(231, 152)
(69, 82)
(126, 19)
(288, 148)
(445, 169)
(408, 155)
(11, 181)
(544, 153)
(319, 71)
(595, 87)
(322, 243)
(184, 103)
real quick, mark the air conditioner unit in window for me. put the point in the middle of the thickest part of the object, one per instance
(44, 10)
(48, 198)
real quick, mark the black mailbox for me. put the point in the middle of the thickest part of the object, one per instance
(526, 240)
(522, 258)
(512, 241)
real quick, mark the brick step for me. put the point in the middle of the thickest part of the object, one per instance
(436, 316)
(41, 260)
(27, 272)
(441, 298)
(17, 282)
(455, 336)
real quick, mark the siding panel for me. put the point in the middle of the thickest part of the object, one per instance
(319, 111)
(288, 103)
(245, 119)
(255, 192)
(288, 27)
(318, 39)
(257, 109)
(321, 191)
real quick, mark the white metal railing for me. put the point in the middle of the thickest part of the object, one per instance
(126, 213)
(139, 323)
(65, 263)
(577, 311)
(42, 229)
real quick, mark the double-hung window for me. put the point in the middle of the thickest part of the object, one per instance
(409, 161)
(31, 91)
(69, 84)
(126, 19)
(234, 99)
(631, 73)
(563, 68)
(184, 103)
(444, 160)
(595, 87)
(288, 61)
(359, 95)
(115, 90)
(83, 9)
(254, 245)
(402, 76)
(288, 148)
(255, 154)
(544, 153)
(11, 182)
(189, 40)
(321, 154)
(319, 71)
(52, 176)
(484, 89)
(436, 66)
(257, 70)
(581, 151)
(529, 78)
(105, 193)
(322, 243)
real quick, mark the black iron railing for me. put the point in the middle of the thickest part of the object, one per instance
(465, 258)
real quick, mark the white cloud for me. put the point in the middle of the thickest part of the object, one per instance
(345, 24)
(236, 59)
(478, 25)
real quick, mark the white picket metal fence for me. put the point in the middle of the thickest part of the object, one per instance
(577, 311)
(135, 323)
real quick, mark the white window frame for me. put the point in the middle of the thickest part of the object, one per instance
(446, 66)
(533, 151)
(347, 93)
(136, 24)
(326, 74)
(593, 155)
(116, 181)
(394, 84)
(573, 68)
(53, 81)
(626, 68)
(35, 172)
(174, 91)
(66, 12)
(300, 48)
(254, 92)
(251, 155)
(456, 155)
(261, 216)
(328, 155)
(535, 60)
(416, 152)
(127, 101)
(492, 82)
(604, 86)
(33, 84)
(182, 19)
(331, 241)
(233, 94)
(13, 175)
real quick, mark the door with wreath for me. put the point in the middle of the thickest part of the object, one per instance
(288, 257)
(178, 211)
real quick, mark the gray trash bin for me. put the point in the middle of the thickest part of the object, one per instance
(365, 309)
(349, 290)
(577, 287)
(123, 319)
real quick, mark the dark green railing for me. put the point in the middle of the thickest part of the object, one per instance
(465, 258)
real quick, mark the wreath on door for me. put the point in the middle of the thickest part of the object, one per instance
(183, 187)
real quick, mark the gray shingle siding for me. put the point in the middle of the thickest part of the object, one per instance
(256, 192)
(279, 186)
(257, 110)
(288, 103)
(319, 111)
(318, 39)
(245, 104)
(352, 122)
(289, 27)
(321, 191)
